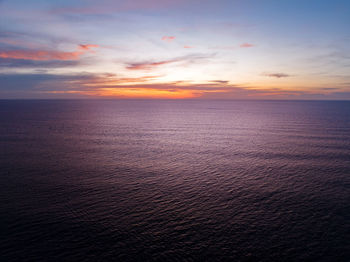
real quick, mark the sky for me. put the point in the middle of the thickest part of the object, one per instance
(196, 49)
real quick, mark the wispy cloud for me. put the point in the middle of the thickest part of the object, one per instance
(168, 38)
(32, 40)
(110, 85)
(187, 46)
(45, 55)
(23, 63)
(246, 45)
(276, 75)
(87, 47)
(148, 65)
(223, 82)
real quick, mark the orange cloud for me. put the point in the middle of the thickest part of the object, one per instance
(87, 47)
(187, 46)
(44, 55)
(168, 38)
(245, 45)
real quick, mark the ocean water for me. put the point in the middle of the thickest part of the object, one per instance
(183, 180)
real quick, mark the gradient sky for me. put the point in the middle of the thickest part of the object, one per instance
(222, 49)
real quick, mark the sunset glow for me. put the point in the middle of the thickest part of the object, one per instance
(175, 49)
(175, 130)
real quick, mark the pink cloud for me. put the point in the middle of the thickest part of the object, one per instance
(87, 47)
(245, 45)
(44, 55)
(187, 46)
(168, 38)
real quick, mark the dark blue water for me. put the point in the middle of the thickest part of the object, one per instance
(174, 181)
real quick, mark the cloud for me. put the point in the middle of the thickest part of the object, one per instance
(23, 63)
(99, 85)
(87, 47)
(168, 38)
(187, 46)
(49, 81)
(148, 65)
(45, 55)
(110, 85)
(33, 40)
(39, 55)
(276, 75)
(246, 45)
(84, 85)
(224, 82)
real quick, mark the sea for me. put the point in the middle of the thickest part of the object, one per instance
(174, 180)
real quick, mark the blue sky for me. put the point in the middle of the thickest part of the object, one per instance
(263, 49)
